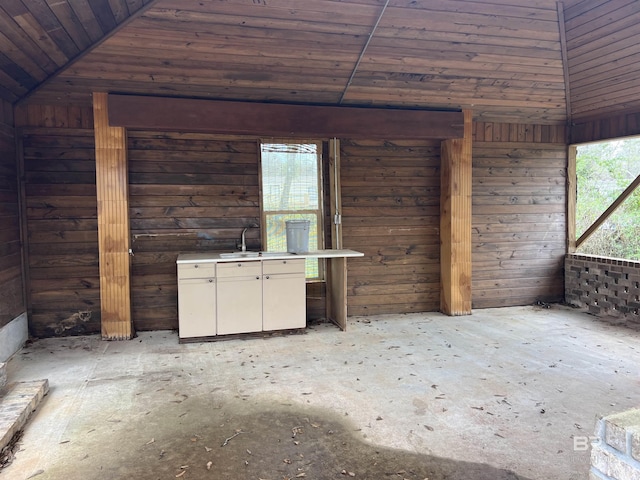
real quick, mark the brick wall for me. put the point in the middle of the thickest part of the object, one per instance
(605, 287)
(615, 454)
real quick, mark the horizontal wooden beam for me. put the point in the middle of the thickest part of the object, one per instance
(280, 120)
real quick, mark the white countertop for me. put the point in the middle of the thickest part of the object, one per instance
(216, 258)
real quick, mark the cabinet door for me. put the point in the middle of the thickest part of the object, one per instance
(284, 301)
(196, 307)
(239, 304)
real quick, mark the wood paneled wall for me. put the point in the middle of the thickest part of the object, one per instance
(188, 193)
(606, 128)
(603, 51)
(195, 192)
(60, 186)
(11, 285)
(61, 219)
(391, 212)
(519, 214)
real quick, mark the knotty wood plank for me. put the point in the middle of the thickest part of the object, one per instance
(278, 120)
(50, 23)
(72, 25)
(113, 224)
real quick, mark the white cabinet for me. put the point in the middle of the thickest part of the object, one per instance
(283, 294)
(197, 300)
(239, 306)
(222, 298)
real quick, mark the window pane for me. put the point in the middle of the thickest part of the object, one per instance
(291, 191)
(277, 237)
(289, 177)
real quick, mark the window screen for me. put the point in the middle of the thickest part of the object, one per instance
(291, 191)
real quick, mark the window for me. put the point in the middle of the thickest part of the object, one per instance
(291, 190)
(608, 198)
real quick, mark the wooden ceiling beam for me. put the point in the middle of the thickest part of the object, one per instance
(280, 120)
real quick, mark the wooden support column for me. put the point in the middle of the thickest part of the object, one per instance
(113, 224)
(455, 222)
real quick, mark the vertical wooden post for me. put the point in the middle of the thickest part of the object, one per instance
(572, 198)
(113, 224)
(334, 194)
(455, 222)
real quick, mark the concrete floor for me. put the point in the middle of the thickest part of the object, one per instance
(499, 394)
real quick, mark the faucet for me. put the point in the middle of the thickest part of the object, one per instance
(243, 244)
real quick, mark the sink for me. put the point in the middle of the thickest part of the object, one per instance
(239, 255)
(252, 254)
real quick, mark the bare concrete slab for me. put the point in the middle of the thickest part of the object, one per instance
(500, 394)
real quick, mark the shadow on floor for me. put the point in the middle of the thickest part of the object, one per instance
(197, 438)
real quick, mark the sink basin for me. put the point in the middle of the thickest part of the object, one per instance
(252, 254)
(239, 255)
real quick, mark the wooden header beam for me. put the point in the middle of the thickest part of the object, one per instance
(280, 120)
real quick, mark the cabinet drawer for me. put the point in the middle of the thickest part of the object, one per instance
(274, 267)
(196, 270)
(239, 269)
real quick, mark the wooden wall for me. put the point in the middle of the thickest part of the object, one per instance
(60, 188)
(391, 212)
(191, 193)
(188, 193)
(519, 214)
(196, 192)
(615, 126)
(61, 219)
(603, 52)
(11, 285)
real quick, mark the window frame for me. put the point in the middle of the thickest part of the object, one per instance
(319, 212)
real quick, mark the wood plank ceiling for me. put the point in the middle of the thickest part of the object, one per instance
(502, 58)
(39, 37)
(603, 49)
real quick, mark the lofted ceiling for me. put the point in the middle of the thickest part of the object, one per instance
(502, 58)
(38, 38)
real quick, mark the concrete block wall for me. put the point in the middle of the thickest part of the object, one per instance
(615, 452)
(605, 287)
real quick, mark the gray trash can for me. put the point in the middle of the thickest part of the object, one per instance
(297, 236)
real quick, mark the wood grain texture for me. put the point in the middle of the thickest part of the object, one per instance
(455, 222)
(423, 54)
(606, 127)
(112, 194)
(195, 192)
(603, 58)
(189, 192)
(11, 280)
(61, 215)
(519, 229)
(278, 120)
(40, 37)
(390, 198)
(337, 291)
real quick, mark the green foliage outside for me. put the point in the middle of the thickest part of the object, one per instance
(604, 171)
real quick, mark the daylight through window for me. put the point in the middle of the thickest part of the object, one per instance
(291, 189)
